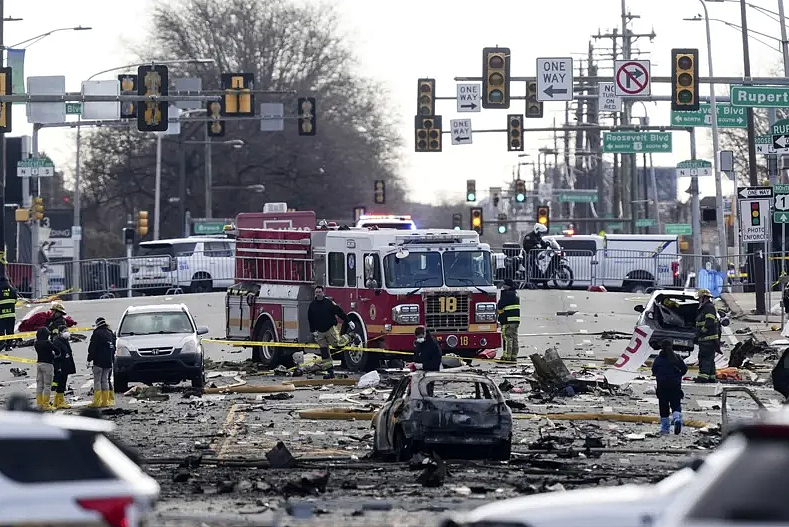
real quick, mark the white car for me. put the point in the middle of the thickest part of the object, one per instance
(621, 506)
(64, 470)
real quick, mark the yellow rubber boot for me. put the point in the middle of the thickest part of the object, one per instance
(96, 399)
(45, 404)
(39, 401)
(105, 399)
(60, 402)
(111, 394)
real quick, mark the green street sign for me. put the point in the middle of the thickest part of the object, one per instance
(759, 96)
(679, 229)
(780, 217)
(728, 116)
(555, 229)
(645, 222)
(764, 144)
(38, 167)
(209, 227)
(780, 189)
(694, 167)
(73, 108)
(578, 196)
(617, 225)
(636, 142)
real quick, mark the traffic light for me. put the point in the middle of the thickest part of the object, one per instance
(457, 221)
(128, 236)
(502, 223)
(128, 87)
(514, 133)
(534, 107)
(520, 190)
(216, 126)
(379, 195)
(238, 98)
(427, 133)
(358, 212)
(496, 78)
(307, 114)
(756, 218)
(5, 107)
(152, 116)
(426, 102)
(142, 222)
(476, 220)
(684, 80)
(38, 208)
(471, 190)
(544, 216)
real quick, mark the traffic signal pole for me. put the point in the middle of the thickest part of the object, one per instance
(2, 156)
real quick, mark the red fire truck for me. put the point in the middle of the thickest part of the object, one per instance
(388, 281)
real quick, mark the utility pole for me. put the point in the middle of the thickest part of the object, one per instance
(595, 160)
(2, 156)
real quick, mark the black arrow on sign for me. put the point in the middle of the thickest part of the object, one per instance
(461, 139)
(472, 105)
(550, 90)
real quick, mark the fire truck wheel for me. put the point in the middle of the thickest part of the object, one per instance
(360, 360)
(268, 356)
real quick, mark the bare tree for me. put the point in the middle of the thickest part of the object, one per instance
(289, 48)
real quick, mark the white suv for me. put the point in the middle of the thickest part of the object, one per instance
(198, 264)
(65, 470)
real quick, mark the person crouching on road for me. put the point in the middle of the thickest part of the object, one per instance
(708, 333)
(509, 309)
(427, 350)
(45, 368)
(101, 354)
(64, 366)
(668, 370)
(322, 317)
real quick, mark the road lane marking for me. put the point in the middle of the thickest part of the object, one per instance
(235, 416)
(579, 321)
(573, 306)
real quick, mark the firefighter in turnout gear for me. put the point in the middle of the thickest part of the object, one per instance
(708, 334)
(63, 366)
(8, 298)
(509, 309)
(322, 316)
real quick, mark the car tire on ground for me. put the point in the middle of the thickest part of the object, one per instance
(402, 447)
(199, 380)
(121, 384)
(503, 450)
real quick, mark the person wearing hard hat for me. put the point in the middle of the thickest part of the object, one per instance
(57, 317)
(708, 331)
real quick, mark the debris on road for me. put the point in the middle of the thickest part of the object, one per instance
(280, 457)
(17, 372)
(306, 486)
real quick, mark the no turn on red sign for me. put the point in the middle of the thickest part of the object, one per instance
(632, 78)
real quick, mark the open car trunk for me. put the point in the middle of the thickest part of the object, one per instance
(682, 317)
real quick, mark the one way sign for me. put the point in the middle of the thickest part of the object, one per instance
(755, 192)
(461, 131)
(780, 142)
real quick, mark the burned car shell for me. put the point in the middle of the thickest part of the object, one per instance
(411, 418)
(658, 317)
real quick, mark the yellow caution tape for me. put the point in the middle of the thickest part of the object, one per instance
(24, 360)
(31, 334)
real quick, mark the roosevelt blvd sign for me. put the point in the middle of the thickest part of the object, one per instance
(636, 142)
(728, 116)
(694, 167)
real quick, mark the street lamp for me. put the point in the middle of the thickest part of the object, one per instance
(42, 36)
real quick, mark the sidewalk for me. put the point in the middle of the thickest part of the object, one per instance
(743, 307)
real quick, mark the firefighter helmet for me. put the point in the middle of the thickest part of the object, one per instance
(703, 293)
(58, 306)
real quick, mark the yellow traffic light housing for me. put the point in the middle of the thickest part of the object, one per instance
(38, 208)
(142, 223)
(496, 78)
(307, 115)
(477, 222)
(152, 116)
(534, 108)
(471, 190)
(427, 133)
(5, 107)
(514, 133)
(380, 192)
(520, 190)
(544, 216)
(684, 80)
(238, 98)
(128, 87)
(426, 98)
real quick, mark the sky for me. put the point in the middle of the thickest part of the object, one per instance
(391, 50)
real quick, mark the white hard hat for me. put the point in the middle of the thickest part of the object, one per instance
(539, 228)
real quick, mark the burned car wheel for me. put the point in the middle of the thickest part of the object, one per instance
(402, 447)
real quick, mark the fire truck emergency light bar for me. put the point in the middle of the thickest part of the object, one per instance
(383, 217)
(429, 237)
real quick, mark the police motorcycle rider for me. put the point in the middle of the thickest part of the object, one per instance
(531, 242)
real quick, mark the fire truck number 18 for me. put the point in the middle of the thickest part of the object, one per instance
(448, 304)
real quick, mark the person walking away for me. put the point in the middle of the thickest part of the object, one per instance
(531, 242)
(45, 368)
(101, 354)
(64, 366)
(8, 298)
(708, 333)
(509, 310)
(322, 316)
(427, 350)
(668, 370)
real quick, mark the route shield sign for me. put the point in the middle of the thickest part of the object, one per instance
(781, 203)
(632, 77)
(636, 142)
(728, 116)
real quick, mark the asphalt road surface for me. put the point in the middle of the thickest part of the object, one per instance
(193, 444)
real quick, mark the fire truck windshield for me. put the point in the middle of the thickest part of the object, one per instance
(430, 269)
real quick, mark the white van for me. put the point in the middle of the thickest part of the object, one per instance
(196, 264)
(629, 262)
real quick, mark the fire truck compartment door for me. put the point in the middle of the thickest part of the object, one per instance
(290, 323)
(238, 314)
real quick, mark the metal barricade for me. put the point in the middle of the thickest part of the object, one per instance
(635, 271)
(571, 269)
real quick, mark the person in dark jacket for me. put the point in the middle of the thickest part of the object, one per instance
(322, 316)
(708, 335)
(58, 317)
(101, 354)
(509, 310)
(668, 370)
(45, 369)
(64, 366)
(8, 298)
(532, 242)
(427, 350)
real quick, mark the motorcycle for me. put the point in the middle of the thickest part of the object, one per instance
(552, 265)
(510, 264)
